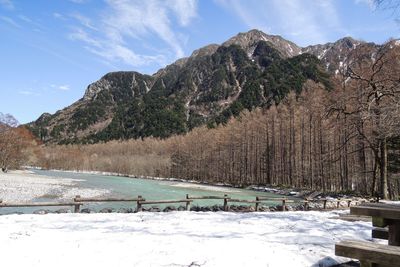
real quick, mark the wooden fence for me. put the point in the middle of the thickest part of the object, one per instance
(78, 201)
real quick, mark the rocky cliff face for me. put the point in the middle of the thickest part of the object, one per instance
(334, 55)
(216, 82)
(249, 40)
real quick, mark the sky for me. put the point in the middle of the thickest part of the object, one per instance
(51, 50)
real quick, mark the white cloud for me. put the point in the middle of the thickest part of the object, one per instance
(7, 4)
(25, 18)
(81, 35)
(185, 10)
(64, 87)
(28, 92)
(10, 21)
(25, 92)
(305, 21)
(129, 22)
(36, 26)
(85, 21)
(78, 1)
(370, 3)
(58, 16)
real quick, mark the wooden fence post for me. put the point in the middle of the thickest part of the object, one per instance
(77, 206)
(257, 199)
(226, 207)
(138, 204)
(348, 203)
(187, 203)
(325, 204)
(284, 204)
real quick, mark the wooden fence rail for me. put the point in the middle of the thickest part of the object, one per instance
(78, 201)
(38, 204)
(187, 201)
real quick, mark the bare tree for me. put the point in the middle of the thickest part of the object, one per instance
(11, 148)
(373, 101)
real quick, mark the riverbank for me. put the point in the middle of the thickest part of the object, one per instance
(278, 190)
(60, 186)
(293, 239)
(24, 186)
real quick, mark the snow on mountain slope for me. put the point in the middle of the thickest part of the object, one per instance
(8, 119)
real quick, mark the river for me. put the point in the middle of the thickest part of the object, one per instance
(124, 187)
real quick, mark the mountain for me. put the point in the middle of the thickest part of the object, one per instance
(8, 120)
(216, 82)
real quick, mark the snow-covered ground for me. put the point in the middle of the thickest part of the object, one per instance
(175, 239)
(24, 186)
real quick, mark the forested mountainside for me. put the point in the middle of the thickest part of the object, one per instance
(340, 134)
(216, 82)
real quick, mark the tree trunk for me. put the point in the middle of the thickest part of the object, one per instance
(374, 178)
(383, 169)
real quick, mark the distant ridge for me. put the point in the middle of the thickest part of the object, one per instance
(8, 119)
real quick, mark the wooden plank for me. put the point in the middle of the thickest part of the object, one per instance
(226, 206)
(243, 201)
(77, 207)
(276, 199)
(377, 210)
(138, 205)
(164, 201)
(39, 204)
(187, 203)
(380, 233)
(107, 199)
(353, 218)
(205, 197)
(368, 251)
(379, 222)
(271, 199)
(257, 204)
(394, 233)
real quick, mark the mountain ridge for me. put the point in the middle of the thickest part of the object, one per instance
(216, 82)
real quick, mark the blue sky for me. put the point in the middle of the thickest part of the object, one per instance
(51, 50)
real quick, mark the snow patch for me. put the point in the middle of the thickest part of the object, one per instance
(322, 54)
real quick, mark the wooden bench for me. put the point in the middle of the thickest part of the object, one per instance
(380, 233)
(383, 215)
(370, 254)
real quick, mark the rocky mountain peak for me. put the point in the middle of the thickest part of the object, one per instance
(8, 119)
(205, 51)
(249, 40)
(347, 43)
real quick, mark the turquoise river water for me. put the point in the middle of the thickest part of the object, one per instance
(123, 187)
